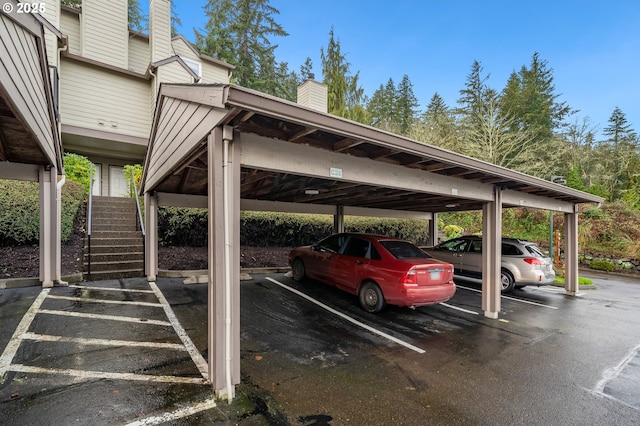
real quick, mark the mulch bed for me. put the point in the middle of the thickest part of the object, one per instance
(24, 261)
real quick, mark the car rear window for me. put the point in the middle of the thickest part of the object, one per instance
(403, 250)
(534, 250)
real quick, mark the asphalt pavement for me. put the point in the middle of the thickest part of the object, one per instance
(109, 353)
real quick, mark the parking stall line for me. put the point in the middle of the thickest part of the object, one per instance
(176, 415)
(104, 317)
(113, 302)
(14, 343)
(348, 318)
(124, 290)
(88, 374)
(101, 342)
(515, 299)
(196, 356)
(458, 308)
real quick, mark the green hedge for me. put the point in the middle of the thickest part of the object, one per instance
(188, 227)
(20, 211)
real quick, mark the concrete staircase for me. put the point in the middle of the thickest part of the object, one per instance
(116, 243)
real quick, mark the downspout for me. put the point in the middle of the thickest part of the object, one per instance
(59, 185)
(227, 266)
(63, 179)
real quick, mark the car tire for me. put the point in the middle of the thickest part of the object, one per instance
(370, 297)
(297, 270)
(507, 282)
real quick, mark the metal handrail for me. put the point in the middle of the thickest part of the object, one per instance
(135, 195)
(90, 208)
(144, 239)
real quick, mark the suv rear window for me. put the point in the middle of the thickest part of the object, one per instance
(534, 250)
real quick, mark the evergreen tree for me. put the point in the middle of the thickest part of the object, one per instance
(437, 125)
(238, 32)
(619, 158)
(406, 105)
(382, 107)
(475, 97)
(530, 98)
(345, 96)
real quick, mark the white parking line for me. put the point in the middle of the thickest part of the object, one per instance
(175, 415)
(124, 290)
(459, 309)
(101, 342)
(23, 327)
(88, 374)
(196, 356)
(114, 302)
(21, 333)
(348, 318)
(512, 298)
(104, 317)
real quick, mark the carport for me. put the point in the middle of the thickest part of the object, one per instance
(229, 149)
(30, 147)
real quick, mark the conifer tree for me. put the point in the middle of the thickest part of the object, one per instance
(345, 96)
(238, 32)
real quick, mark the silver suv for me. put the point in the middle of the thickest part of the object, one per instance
(522, 264)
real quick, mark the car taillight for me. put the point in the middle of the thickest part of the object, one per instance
(410, 278)
(533, 261)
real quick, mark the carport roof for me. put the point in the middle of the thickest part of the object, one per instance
(176, 161)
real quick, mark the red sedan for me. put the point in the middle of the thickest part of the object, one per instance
(377, 269)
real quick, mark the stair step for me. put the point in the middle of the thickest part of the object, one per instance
(117, 245)
(114, 275)
(114, 257)
(125, 265)
(115, 234)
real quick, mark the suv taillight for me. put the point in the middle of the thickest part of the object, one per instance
(533, 261)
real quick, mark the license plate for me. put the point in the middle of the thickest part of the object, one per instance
(434, 275)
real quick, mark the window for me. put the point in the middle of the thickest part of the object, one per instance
(196, 67)
(358, 248)
(454, 245)
(404, 250)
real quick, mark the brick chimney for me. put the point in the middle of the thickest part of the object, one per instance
(159, 29)
(313, 94)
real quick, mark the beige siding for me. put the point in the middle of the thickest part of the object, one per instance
(212, 73)
(52, 14)
(160, 29)
(173, 72)
(70, 26)
(21, 78)
(138, 54)
(105, 31)
(97, 99)
(181, 49)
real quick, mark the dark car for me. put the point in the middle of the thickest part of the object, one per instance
(377, 269)
(522, 262)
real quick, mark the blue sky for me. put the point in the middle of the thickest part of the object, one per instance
(592, 46)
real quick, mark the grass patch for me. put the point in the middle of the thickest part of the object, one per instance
(581, 281)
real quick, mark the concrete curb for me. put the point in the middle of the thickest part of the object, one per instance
(32, 282)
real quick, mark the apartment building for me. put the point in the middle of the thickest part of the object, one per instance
(109, 76)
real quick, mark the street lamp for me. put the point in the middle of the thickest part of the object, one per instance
(560, 180)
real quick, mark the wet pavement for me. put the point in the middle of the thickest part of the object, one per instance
(109, 353)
